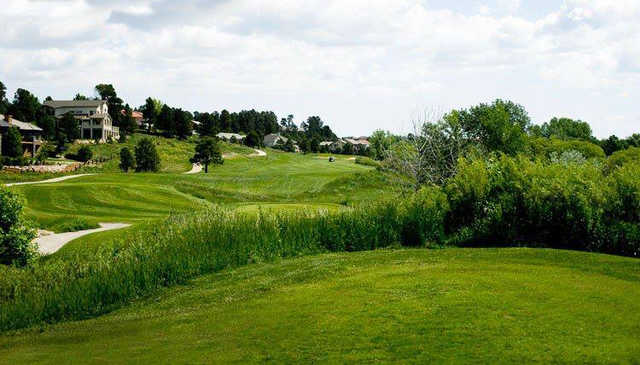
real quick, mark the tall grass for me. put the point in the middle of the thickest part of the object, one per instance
(187, 246)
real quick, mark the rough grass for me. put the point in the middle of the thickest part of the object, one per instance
(415, 306)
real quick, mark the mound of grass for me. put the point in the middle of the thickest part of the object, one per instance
(363, 160)
(422, 306)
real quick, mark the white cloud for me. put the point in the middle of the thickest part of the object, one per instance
(361, 64)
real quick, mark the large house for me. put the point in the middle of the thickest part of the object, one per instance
(93, 115)
(31, 134)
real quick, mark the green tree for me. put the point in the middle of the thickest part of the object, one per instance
(165, 120)
(126, 159)
(500, 126)
(108, 92)
(613, 144)
(127, 124)
(12, 144)
(380, 142)
(84, 154)
(252, 139)
(151, 110)
(25, 106)
(183, 124)
(80, 97)
(315, 145)
(147, 157)
(207, 152)
(69, 127)
(16, 236)
(48, 125)
(565, 128)
(3, 99)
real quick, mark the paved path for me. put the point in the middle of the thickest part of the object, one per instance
(57, 179)
(53, 242)
(195, 169)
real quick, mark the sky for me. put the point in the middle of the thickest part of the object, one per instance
(360, 65)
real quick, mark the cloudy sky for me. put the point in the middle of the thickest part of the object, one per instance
(359, 64)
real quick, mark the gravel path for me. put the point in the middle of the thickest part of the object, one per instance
(51, 243)
(195, 169)
(57, 179)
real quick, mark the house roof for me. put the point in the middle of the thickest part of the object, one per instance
(135, 114)
(73, 103)
(229, 135)
(363, 142)
(273, 138)
(23, 126)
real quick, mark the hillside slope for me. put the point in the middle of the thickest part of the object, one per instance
(461, 305)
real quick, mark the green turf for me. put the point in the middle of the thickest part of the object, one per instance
(289, 179)
(416, 306)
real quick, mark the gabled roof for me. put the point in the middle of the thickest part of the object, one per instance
(74, 103)
(272, 138)
(23, 126)
(229, 135)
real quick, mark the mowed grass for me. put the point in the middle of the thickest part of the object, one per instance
(416, 306)
(292, 180)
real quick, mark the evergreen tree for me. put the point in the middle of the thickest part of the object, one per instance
(12, 144)
(147, 157)
(126, 159)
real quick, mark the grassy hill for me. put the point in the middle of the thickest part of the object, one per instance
(453, 305)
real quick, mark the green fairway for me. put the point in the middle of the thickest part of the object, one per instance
(281, 180)
(460, 305)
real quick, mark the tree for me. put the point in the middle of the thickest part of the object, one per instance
(500, 126)
(380, 142)
(430, 154)
(151, 110)
(69, 127)
(127, 124)
(48, 125)
(12, 144)
(147, 158)
(80, 97)
(165, 120)
(25, 106)
(3, 99)
(16, 236)
(126, 159)
(565, 128)
(252, 139)
(183, 123)
(315, 145)
(207, 152)
(108, 92)
(612, 144)
(84, 154)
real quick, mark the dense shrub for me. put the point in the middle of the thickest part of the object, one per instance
(515, 201)
(85, 154)
(545, 147)
(623, 157)
(16, 246)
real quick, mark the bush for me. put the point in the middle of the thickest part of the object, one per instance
(545, 147)
(623, 157)
(84, 154)
(126, 160)
(252, 139)
(515, 201)
(16, 246)
(74, 224)
(147, 157)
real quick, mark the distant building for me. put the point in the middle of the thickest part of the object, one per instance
(93, 116)
(31, 134)
(228, 136)
(136, 115)
(333, 146)
(360, 142)
(272, 139)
